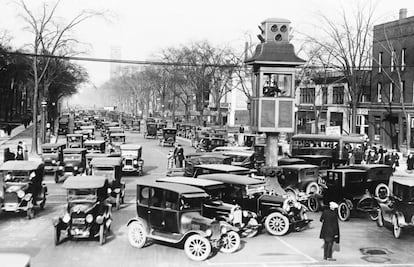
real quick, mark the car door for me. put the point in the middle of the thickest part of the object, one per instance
(156, 209)
(170, 215)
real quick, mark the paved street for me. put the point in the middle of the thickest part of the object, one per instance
(35, 237)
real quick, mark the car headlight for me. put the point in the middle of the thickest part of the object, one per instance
(89, 218)
(109, 190)
(20, 194)
(245, 213)
(66, 218)
(99, 219)
(117, 190)
(135, 162)
(223, 230)
(75, 168)
(209, 232)
(53, 161)
(32, 175)
(7, 177)
(60, 167)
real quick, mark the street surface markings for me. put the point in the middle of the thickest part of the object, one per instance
(364, 265)
(263, 253)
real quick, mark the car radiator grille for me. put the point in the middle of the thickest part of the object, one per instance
(78, 219)
(10, 198)
(128, 162)
(68, 169)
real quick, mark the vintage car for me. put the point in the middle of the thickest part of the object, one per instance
(63, 126)
(278, 213)
(214, 207)
(398, 210)
(111, 168)
(259, 154)
(301, 182)
(74, 140)
(136, 126)
(290, 161)
(324, 162)
(89, 157)
(22, 187)
(194, 159)
(52, 156)
(221, 168)
(151, 130)
(74, 163)
(353, 189)
(94, 146)
(90, 129)
(117, 139)
(171, 213)
(230, 148)
(207, 144)
(88, 213)
(132, 158)
(168, 136)
(244, 159)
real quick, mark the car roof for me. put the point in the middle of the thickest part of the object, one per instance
(131, 146)
(96, 155)
(170, 128)
(74, 134)
(8, 259)
(52, 145)
(83, 182)
(407, 181)
(182, 189)
(348, 170)
(231, 148)
(20, 165)
(107, 161)
(222, 167)
(117, 134)
(364, 166)
(190, 181)
(243, 153)
(73, 150)
(231, 178)
(94, 142)
(299, 166)
(312, 156)
(288, 160)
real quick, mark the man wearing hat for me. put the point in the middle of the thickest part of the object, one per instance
(330, 230)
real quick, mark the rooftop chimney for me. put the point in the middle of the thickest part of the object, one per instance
(403, 13)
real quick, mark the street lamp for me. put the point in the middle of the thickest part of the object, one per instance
(43, 121)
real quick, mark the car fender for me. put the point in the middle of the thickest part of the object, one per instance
(280, 210)
(229, 226)
(400, 218)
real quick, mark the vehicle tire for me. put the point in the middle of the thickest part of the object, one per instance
(380, 218)
(313, 204)
(137, 234)
(312, 188)
(30, 213)
(277, 224)
(231, 242)
(251, 232)
(56, 177)
(396, 227)
(57, 235)
(373, 215)
(123, 199)
(102, 236)
(118, 201)
(197, 248)
(344, 212)
(379, 192)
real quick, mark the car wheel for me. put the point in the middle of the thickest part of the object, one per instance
(251, 232)
(380, 218)
(102, 236)
(396, 227)
(313, 204)
(382, 192)
(57, 236)
(373, 215)
(197, 248)
(231, 242)
(312, 188)
(344, 211)
(277, 224)
(137, 234)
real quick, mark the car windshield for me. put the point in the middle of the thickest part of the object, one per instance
(239, 159)
(333, 178)
(108, 172)
(216, 192)
(191, 203)
(117, 138)
(16, 176)
(131, 153)
(49, 150)
(87, 194)
(74, 139)
(71, 157)
(255, 189)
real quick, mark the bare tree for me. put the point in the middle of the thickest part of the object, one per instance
(349, 44)
(49, 38)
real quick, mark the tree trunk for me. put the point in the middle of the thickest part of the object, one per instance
(173, 111)
(34, 107)
(354, 114)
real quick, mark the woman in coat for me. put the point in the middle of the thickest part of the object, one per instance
(330, 230)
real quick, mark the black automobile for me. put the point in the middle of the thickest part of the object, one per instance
(278, 213)
(132, 158)
(88, 213)
(246, 159)
(168, 137)
(74, 163)
(22, 186)
(171, 213)
(52, 156)
(95, 146)
(74, 140)
(221, 168)
(204, 158)
(398, 209)
(355, 189)
(215, 207)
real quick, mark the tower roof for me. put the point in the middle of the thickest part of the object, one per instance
(275, 54)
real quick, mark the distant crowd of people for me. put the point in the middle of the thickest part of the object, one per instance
(363, 154)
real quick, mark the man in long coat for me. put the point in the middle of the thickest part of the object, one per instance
(330, 230)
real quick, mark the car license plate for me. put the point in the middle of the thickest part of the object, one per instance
(78, 220)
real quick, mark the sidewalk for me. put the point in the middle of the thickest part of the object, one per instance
(14, 132)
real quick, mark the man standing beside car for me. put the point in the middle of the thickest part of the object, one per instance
(330, 230)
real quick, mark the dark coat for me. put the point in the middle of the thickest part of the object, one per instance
(330, 226)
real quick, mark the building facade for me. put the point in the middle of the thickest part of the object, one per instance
(391, 108)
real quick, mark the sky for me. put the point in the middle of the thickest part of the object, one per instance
(143, 28)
